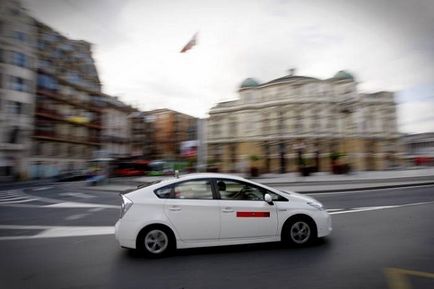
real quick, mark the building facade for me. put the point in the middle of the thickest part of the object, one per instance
(68, 112)
(296, 120)
(142, 132)
(17, 88)
(171, 129)
(116, 133)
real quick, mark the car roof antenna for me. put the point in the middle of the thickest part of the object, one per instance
(177, 174)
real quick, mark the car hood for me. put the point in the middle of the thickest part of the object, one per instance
(300, 197)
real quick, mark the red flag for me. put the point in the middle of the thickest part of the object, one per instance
(190, 44)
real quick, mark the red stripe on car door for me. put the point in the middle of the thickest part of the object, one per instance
(253, 214)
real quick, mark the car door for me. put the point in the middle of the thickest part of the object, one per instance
(243, 211)
(193, 210)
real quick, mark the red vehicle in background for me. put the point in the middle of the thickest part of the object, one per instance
(130, 168)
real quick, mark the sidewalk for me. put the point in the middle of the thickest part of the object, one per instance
(319, 182)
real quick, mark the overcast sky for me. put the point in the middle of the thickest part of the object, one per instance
(386, 44)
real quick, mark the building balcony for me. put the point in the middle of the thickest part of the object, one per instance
(67, 99)
(55, 115)
(50, 113)
(52, 136)
(115, 139)
(12, 146)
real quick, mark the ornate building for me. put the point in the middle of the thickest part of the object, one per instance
(297, 120)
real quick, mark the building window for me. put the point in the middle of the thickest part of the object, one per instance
(19, 59)
(37, 148)
(12, 135)
(70, 151)
(15, 107)
(280, 122)
(216, 129)
(19, 84)
(41, 44)
(233, 131)
(54, 149)
(18, 35)
(47, 82)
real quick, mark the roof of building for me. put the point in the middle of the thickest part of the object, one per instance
(291, 77)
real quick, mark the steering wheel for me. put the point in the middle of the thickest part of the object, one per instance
(248, 194)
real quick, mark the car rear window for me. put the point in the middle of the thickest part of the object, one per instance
(164, 193)
(192, 189)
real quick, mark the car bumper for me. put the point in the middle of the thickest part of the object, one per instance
(123, 235)
(324, 224)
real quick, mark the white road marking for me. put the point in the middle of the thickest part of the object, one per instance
(14, 197)
(75, 217)
(42, 188)
(78, 195)
(59, 231)
(370, 189)
(333, 210)
(80, 205)
(364, 209)
(18, 201)
(96, 210)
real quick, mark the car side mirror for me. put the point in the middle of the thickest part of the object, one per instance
(268, 199)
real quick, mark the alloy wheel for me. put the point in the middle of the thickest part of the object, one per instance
(156, 241)
(300, 232)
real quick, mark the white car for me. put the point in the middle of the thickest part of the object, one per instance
(200, 210)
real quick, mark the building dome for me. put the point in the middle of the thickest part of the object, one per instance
(248, 83)
(343, 75)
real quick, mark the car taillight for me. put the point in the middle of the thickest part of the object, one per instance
(126, 205)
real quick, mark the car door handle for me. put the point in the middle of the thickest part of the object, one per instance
(175, 209)
(228, 210)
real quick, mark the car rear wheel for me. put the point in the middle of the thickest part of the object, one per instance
(299, 232)
(155, 241)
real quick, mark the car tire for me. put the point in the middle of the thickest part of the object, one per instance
(299, 231)
(156, 241)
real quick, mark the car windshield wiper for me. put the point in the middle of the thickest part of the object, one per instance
(285, 192)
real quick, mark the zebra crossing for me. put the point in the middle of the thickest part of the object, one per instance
(15, 197)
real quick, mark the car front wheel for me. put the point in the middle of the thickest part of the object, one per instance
(299, 232)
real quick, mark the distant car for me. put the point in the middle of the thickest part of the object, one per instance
(128, 172)
(72, 176)
(210, 209)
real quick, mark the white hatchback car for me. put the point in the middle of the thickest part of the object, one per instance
(200, 210)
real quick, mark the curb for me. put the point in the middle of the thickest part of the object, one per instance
(342, 182)
(367, 188)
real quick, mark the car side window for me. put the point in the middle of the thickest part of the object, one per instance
(197, 189)
(236, 190)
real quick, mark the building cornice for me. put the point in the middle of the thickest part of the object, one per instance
(256, 106)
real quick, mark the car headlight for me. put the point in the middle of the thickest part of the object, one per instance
(316, 205)
(126, 205)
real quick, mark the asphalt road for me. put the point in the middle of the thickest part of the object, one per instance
(381, 239)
